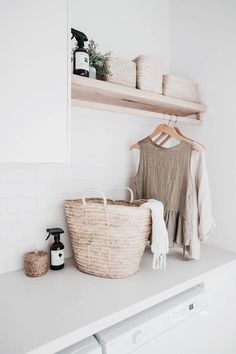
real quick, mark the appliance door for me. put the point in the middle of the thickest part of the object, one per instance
(163, 329)
(86, 346)
(211, 332)
(185, 338)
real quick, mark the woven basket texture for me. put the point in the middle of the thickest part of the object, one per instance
(107, 240)
(148, 73)
(36, 263)
(179, 87)
(123, 72)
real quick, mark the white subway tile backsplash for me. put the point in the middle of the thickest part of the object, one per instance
(26, 189)
(8, 189)
(20, 204)
(7, 219)
(8, 248)
(14, 262)
(47, 202)
(4, 265)
(29, 244)
(50, 173)
(3, 204)
(21, 174)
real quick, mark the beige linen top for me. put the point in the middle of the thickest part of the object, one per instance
(203, 222)
(179, 180)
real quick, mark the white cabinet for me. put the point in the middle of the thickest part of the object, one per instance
(34, 88)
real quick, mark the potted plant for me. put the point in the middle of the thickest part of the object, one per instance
(97, 61)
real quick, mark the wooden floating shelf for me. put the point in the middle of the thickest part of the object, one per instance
(107, 96)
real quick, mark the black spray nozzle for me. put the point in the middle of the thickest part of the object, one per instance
(56, 231)
(79, 36)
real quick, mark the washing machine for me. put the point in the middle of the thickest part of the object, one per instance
(86, 346)
(154, 330)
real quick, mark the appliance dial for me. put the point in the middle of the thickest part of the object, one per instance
(138, 337)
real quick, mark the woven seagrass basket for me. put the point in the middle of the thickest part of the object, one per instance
(36, 263)
(148, 73)
(179, 87)
(122, 71)
(108, 237)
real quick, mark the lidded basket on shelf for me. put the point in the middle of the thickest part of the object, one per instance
(148, 73)
(122, 71)
(179, 87)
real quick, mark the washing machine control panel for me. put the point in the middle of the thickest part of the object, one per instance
(133, 333)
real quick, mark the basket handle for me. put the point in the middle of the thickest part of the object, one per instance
(97, 190)
(131, 193)
(103, 195)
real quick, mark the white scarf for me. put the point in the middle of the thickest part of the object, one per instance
(160, 240)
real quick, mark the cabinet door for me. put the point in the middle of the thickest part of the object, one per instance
(33, 81)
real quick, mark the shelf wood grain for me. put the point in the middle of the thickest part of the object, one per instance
(107, 96)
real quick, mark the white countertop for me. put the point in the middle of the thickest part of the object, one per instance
(44, 315)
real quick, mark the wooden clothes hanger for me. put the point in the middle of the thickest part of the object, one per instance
(170, 132)
(158, 140)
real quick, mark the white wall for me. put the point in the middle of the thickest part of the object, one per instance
(203, 37)
(126, 28)
(31, 196)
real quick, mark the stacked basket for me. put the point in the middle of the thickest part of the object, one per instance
(144, 72)
(148, 73)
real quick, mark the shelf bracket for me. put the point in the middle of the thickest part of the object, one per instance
(200, 116)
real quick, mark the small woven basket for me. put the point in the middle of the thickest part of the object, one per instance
(178, 87)
(122, 71)
(108, 238)
(148, 73)
(36, 263)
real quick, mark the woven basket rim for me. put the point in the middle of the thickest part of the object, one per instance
(147, 57)
(120, 59)
(110, 203)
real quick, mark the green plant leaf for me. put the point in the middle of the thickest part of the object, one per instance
(98, 60)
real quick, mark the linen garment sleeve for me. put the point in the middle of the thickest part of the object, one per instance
(206, 223)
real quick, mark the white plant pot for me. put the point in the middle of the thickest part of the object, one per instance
(92, 72)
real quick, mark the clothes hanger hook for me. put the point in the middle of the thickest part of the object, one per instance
(169, 121)
(176, 121)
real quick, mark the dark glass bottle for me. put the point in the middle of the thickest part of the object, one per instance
(57, 254)
(81, 62)
(56, 249)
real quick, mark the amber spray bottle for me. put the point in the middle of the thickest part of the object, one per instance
(56, 249)
(80, 54)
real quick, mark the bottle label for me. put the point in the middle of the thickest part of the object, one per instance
(57, 258)
(81, 61)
